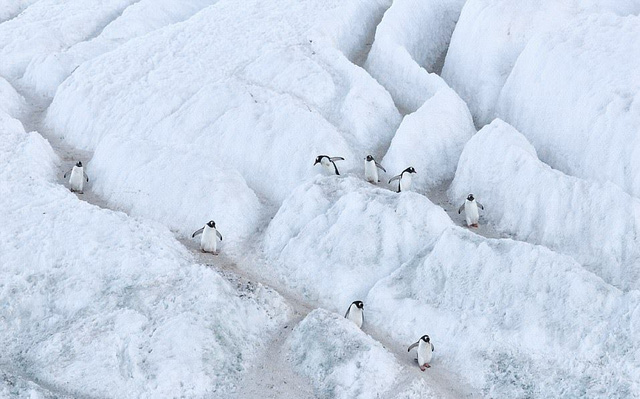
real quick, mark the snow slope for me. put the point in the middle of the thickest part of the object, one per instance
(94, 303)
(597, 224)
(431, 140)
(410, 43)
(518, 320)
(571, 107)
(11, 102)
(491, 34)
(10, 9)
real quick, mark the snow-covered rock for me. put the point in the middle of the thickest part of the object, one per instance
(341, 360)
(431, 140)
(11, 102)
(94, 303)
(517, 319)
(47, 71)
(598, 224)
(410, 43)
(491, 34)
(575, 94)
(335, 237)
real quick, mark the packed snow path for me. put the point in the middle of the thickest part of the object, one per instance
(272, 375)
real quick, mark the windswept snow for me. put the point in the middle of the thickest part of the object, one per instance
(11, 103)
(597, 224)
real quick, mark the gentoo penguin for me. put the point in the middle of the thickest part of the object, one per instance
(355, 313)
(210, 236)
(371, 169)
(425, 351)
(329, 163)
(404, 183)
(471, 210)
(76, 180)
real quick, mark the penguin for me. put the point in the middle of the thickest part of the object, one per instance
(404, 179)
(470, 207)
(355, 313)
(425, 351)
(210, 236)
(329, 163)
(77, 178)
(371, 169)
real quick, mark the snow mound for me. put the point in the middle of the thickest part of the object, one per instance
(431, 140)
(49, 26)
(46, 72)
(334, 237)
(94, 303)
(410, 42)
(341, 360)
(11, 102)
(517, 319)
(597, 224)
(584, 118)
(10, 9)
(289, 93)
(490, 35)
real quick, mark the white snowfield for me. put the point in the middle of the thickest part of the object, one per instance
(590, 99)
(334, 237)
(431, 140)
(491, 34)
(410, 44)
(11, 103)
(94, 303)
(597, 224)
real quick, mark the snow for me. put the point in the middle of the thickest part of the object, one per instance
(517, 319)
(11, 9)
(99, 304)
(490, 35)
(306, 245)
(598, 224)
(11, 103)
(46, 72)
(571, 107)
(410, 42)
(431, 140)
(341, 360)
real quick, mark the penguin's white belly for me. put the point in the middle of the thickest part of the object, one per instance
(209, 240)
(405, 182)
(355, 315)
(76, 180)
(371, 172)
(471, 212)
(424, 353)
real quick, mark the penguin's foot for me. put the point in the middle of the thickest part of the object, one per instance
(427, 365)
(475, 225)
(215, 253)
(422, 368)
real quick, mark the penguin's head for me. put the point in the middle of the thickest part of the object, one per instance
(319, 159)
(358, 304)
(79, 164)
(369, 158)
(410, 170)
(425, 338)
(211, 224)
(470, 197)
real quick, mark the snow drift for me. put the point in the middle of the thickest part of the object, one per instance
(11, 103)
(597, 224)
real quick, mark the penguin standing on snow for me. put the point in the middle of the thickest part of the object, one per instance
(329, 163)
(77, 178)
(355, 313)
(210, 236)
(425, 351)
(470, 207)
(404, 179)
(371, 169)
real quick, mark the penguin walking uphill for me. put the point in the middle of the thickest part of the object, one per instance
(470, 207)
(77, 178)
(404, 179)
(425, 351)
(355, 313)
(210, 236)
(328, 163)
(371, 169)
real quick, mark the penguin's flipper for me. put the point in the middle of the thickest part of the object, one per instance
(395, 178)
(380, 166)
(86, 177)
(66, 173)
(412, 346)
(460, 209)
(480, 205)
(219, 235)
(433, 349)
(333, 159)
(335, 167)
(347, 314)
(199, 231)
